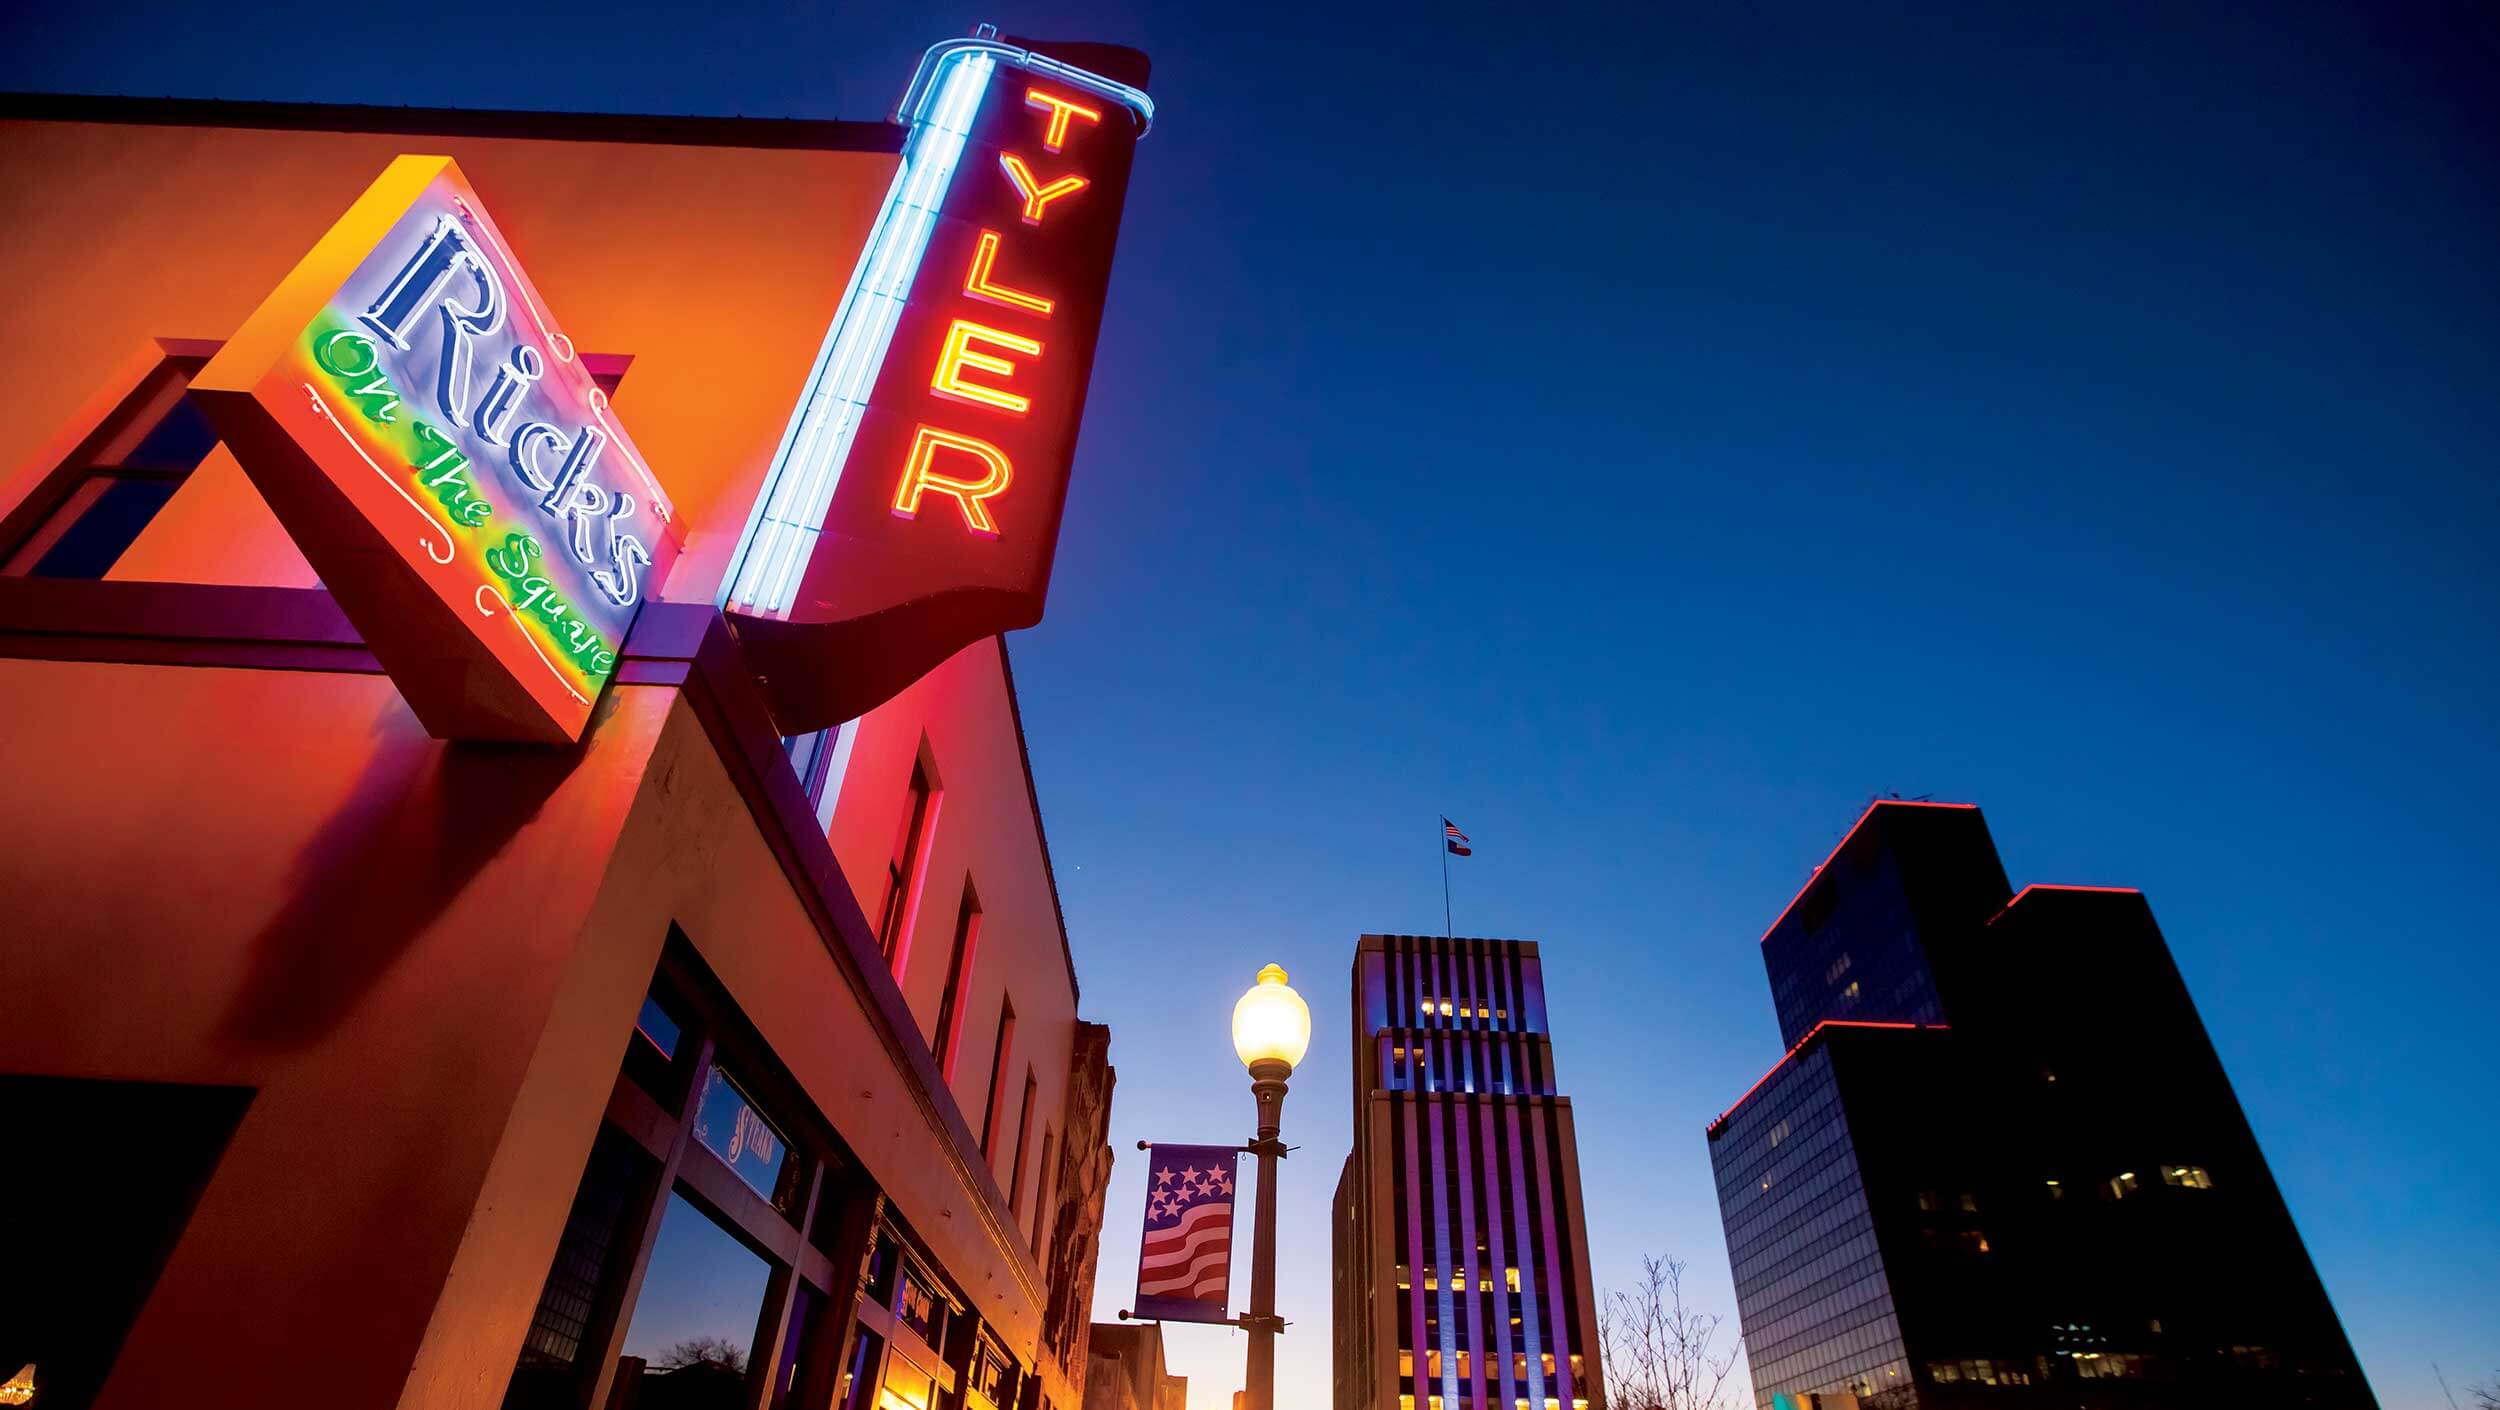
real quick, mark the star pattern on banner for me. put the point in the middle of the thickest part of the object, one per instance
(1173, 1191)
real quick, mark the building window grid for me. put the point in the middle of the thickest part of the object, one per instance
(1423, 977)
(1812, 1299)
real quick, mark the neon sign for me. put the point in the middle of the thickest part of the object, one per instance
(434, 444)
(914, 507)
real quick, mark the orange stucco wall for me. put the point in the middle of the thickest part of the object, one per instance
(276, 880)
(985, 832)
(716, 269)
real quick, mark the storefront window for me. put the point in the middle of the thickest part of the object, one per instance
(100, 1181)
(660, 1051)
(991, 1371)
(693, 1332)
(855, 1393)
(917, 1306)
(730, 1127)
(796, 1344)
(906, 1387)
(548, 1375)
(654, 1026)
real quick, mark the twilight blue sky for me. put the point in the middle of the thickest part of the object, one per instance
(1643, 435)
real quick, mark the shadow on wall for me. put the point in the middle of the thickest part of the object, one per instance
(422, 820)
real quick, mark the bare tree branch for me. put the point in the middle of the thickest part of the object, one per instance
(718, 1353)
(1657, 1351)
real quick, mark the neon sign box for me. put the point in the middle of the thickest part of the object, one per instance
(433, 443)
(914, 507)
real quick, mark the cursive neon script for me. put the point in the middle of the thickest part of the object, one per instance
(450, 275)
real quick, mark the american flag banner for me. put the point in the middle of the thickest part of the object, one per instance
(1184, 1266)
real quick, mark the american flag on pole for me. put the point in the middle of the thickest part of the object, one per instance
(1184, 1266)
(1455, 840)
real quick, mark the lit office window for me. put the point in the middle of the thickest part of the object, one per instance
(2122, 1185)
(2191, 1177)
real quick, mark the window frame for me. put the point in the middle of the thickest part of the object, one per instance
(825, 1179)
(74, 456)
(1002, 1050)
(948, 1043)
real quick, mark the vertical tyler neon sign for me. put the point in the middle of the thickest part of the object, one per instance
(915, 505)
(429, 437)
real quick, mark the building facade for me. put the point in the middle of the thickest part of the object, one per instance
(2000, 1163)
(1461, 1276)
(1125, 1369)
(691, 1064)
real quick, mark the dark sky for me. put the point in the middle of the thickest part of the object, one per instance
(1644, 435)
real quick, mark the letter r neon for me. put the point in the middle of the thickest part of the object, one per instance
(920, 477)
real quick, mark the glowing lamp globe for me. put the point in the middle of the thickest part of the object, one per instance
(1271, 1023)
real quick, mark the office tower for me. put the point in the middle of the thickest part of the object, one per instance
(1462, 1269)
(2000, 1163)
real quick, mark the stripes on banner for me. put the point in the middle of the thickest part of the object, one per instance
(1185, 1260)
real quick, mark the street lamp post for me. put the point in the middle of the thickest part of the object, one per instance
(1271, 1032)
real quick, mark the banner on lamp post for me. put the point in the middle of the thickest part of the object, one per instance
(1185, 1260)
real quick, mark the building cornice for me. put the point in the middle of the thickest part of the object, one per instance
(786, 134)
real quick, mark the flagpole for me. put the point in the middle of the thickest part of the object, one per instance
(1442, 835)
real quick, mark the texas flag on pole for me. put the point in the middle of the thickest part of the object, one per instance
(1184, 1266)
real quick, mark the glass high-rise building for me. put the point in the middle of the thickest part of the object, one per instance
(2000, 1163)
(1462, 1265)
